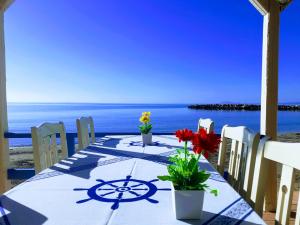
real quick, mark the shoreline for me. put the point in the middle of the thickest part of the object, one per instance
(239, 107)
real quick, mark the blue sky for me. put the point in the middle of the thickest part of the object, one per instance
(154, 51)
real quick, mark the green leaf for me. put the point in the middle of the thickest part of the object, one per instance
(203, 176)
(184, 172)
(215, 192)
(145, 128)
(164, 178)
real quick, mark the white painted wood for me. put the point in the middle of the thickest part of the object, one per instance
(249, 156)
(232, 162)
(261, 5)
(297, 220)
(259, 178)
(239, 171)
(270, 9)
(207, 124)
(285, 195)
(288, 155)
(4, 146)
(269, 97)
(285, 153)
(86, 132)
(222, 151)
(244, 145)
(45, 146)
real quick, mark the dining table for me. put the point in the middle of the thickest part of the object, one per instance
(114, 182)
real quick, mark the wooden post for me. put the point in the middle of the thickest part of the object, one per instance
(270, 9)
(4, 148)
(269, 94)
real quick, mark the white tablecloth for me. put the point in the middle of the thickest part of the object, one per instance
(114, 182)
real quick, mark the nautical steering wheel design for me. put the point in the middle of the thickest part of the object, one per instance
(123, 190)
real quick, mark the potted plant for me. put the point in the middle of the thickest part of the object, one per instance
(188, 180)
(145, 128)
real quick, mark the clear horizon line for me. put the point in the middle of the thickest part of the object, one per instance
(147, 103)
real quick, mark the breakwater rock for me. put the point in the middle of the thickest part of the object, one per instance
(240, 107)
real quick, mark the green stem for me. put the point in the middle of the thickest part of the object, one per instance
(198, 157)
(185, 150)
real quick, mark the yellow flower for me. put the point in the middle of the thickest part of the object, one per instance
(146, 114)
(144, 119)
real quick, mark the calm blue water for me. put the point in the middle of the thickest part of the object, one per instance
(124, 117)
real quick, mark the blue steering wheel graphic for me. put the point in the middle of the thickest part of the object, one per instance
(123, 190)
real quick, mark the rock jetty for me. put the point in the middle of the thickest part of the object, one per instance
(240, 107)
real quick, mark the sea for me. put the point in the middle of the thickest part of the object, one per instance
(125, 117)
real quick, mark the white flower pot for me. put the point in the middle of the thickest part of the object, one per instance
(147, 139)
(187, 204)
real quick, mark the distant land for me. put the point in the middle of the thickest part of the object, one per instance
(240, 107)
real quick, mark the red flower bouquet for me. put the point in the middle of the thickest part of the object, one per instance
(205, 143)
(184, 135)
(184, 172)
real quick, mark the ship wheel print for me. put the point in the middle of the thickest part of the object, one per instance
(120, 191)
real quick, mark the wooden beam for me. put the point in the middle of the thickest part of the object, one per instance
(4, 147)
(4, 4)
(261, 5)
(269, 92)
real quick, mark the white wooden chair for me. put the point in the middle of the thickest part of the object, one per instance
(287, 154)
(86, 132)
(243, 150)
(207, 124)
(45, 146)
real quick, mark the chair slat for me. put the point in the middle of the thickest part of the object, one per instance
(222, 152)
(232, 160)
(285, 195)
(238, 170)
(259, 178)
(86, 132)
(249, 157)
(297, 220)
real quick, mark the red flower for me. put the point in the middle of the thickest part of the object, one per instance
(184, 135)
(203, 141)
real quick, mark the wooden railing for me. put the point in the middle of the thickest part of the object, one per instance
(26, 173)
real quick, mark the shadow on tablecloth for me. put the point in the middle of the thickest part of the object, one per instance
(14, 213)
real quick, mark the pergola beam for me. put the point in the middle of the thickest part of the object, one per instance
(4, 4)
(261, 5)
(4, 147)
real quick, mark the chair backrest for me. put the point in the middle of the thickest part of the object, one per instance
(86, 132)
(45, 146)
(288, 155)
(207, 124)
(243, 150)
